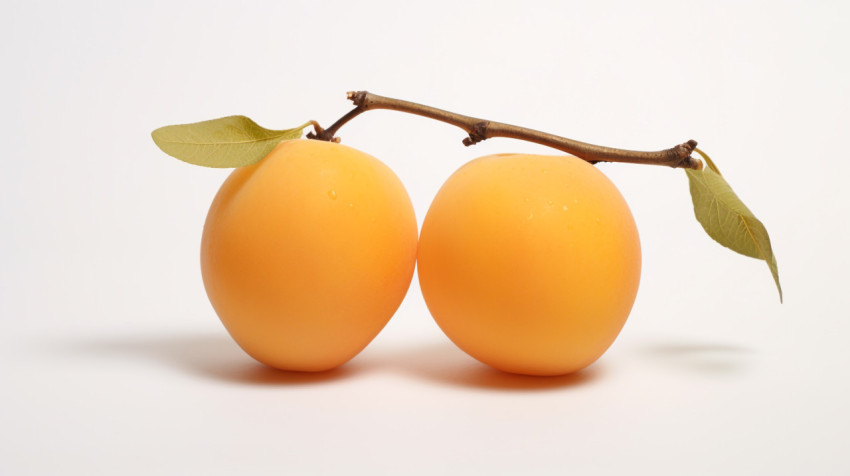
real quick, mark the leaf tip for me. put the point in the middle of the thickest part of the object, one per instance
(774, 270)
(156, 135)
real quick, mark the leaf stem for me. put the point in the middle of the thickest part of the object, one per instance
(481, 129)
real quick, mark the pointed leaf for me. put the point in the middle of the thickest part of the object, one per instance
(727, 220)
(233, 141)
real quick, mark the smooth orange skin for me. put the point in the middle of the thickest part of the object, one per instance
(530, 263)
(307, 254)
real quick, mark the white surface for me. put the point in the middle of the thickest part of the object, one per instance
(113, 362)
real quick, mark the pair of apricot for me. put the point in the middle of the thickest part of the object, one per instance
(528, 263)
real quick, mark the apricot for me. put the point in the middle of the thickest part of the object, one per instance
(307, 254)
(530, 263)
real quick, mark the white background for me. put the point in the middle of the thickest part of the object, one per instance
(113, 362)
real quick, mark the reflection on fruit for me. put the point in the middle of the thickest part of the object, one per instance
(307, 254)
(530, 263)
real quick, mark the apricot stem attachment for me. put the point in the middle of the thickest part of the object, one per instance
(480, 129)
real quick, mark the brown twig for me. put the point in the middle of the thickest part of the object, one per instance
(480, 129)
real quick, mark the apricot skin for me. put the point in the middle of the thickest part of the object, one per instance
(530, 264)
(307, 254)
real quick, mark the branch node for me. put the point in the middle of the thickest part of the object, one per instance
(680, 156)
(319, 133)
(477, 133)
(688, 161)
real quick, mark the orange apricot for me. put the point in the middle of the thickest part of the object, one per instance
(530, 263)
(307, 254)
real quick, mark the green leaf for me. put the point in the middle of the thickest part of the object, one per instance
(727, 220)
(233, 141)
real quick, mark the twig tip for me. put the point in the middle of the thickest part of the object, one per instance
(357, 97)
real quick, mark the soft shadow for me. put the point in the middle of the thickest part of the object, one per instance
(210, 356)
(445, 364)
(701, 358)
(218, 357)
